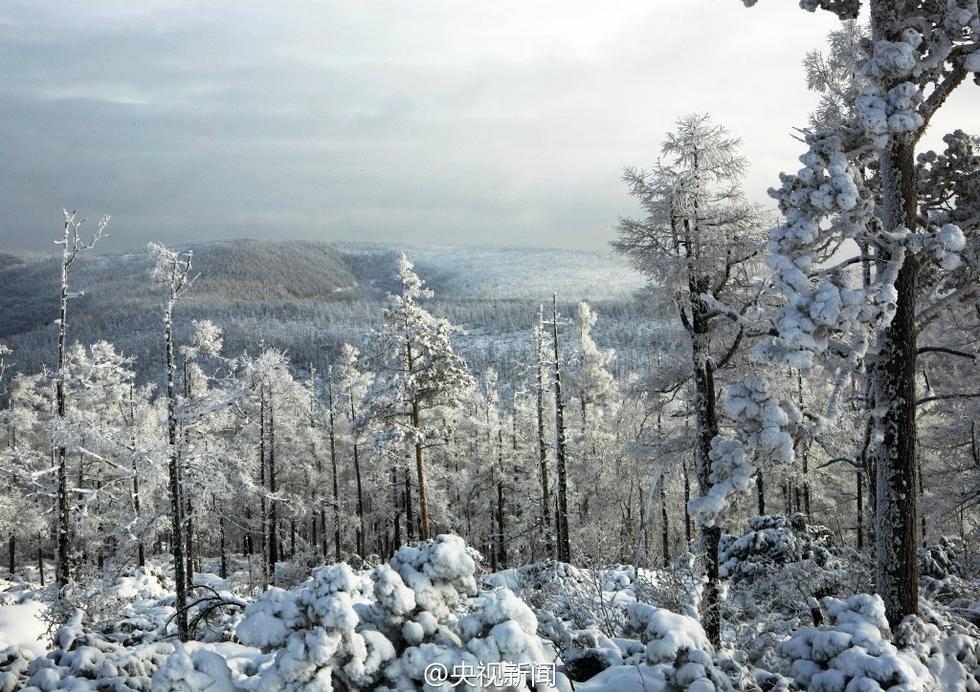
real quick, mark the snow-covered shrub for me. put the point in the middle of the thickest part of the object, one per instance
(200, 671)
(80, 658)
(13, 668)
(941, 560)
(852, 651)
(951, 653)
(773, 540)
(677, 587)
(678, 649)
(381, 629)
(942, 574)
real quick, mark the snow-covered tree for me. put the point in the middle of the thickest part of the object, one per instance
(696, 244)
(174, 271)
(920, 53)
(421, 379)
(71, 245)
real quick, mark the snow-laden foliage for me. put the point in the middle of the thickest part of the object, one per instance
(770, 541)
(852, 651)
(83, 660)
(381, 629)
(677, 648)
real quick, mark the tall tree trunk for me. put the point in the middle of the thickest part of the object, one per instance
(12, 553)
(860, 509)
(264, 528)
(543, 444)
(687, 512)
(707, 429)
(189, 521)
(140, 547)
(40, 560)
(357, 476)
(896, 508)
(176, 518)
(501, 542)
(424, 530)
(564, 545)
(665, 526)
(223, 570)
(333, 472)
(61, 457)
(273, 505)
(409, 516)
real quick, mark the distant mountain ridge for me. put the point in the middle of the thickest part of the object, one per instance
(305, 297)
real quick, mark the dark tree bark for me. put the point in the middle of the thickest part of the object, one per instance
(564, 545)
(543, 445)
(357, 476)
(273, 505)
(263, 533)
(760, 488)
(334, 479)
(665, 525)
(860, 509)
(409, 516)
(687, 513)
(40, 560)
(177, 279)
(894, 378)
(705, 412)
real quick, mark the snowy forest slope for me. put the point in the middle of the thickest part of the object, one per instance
(305, 297)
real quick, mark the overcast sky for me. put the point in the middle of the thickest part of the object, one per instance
(434, 121)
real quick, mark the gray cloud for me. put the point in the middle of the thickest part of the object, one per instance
(439, 121)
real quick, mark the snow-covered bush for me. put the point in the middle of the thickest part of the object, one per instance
(852, 651)
(186, 672)
(942, 572)
(677, 649)
(382, 629)
(773, 540)
(83, 660)
(14, 663)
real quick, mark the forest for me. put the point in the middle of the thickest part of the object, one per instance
(742, 454)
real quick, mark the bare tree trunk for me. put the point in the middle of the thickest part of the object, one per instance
(424, 530)
(333, 470)
(687, 513)
(501, 542)
(61, 457)
(860, 509)
(665, 525)
(760, 488)
(409, 516)
(176, 518)
(189, 521)
(40, 560)
(543, 445)
(357, 475)
(12, 553)
(263, 540)
(707, 430)
(564, 545)
(273, 505)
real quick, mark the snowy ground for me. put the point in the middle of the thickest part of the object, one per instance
(618, 628)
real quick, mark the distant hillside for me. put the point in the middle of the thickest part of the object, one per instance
(465, 273)
(304, 297)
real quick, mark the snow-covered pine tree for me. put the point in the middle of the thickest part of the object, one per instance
(696, 244)
(421, 379)
(920, 53)
(71, 245)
